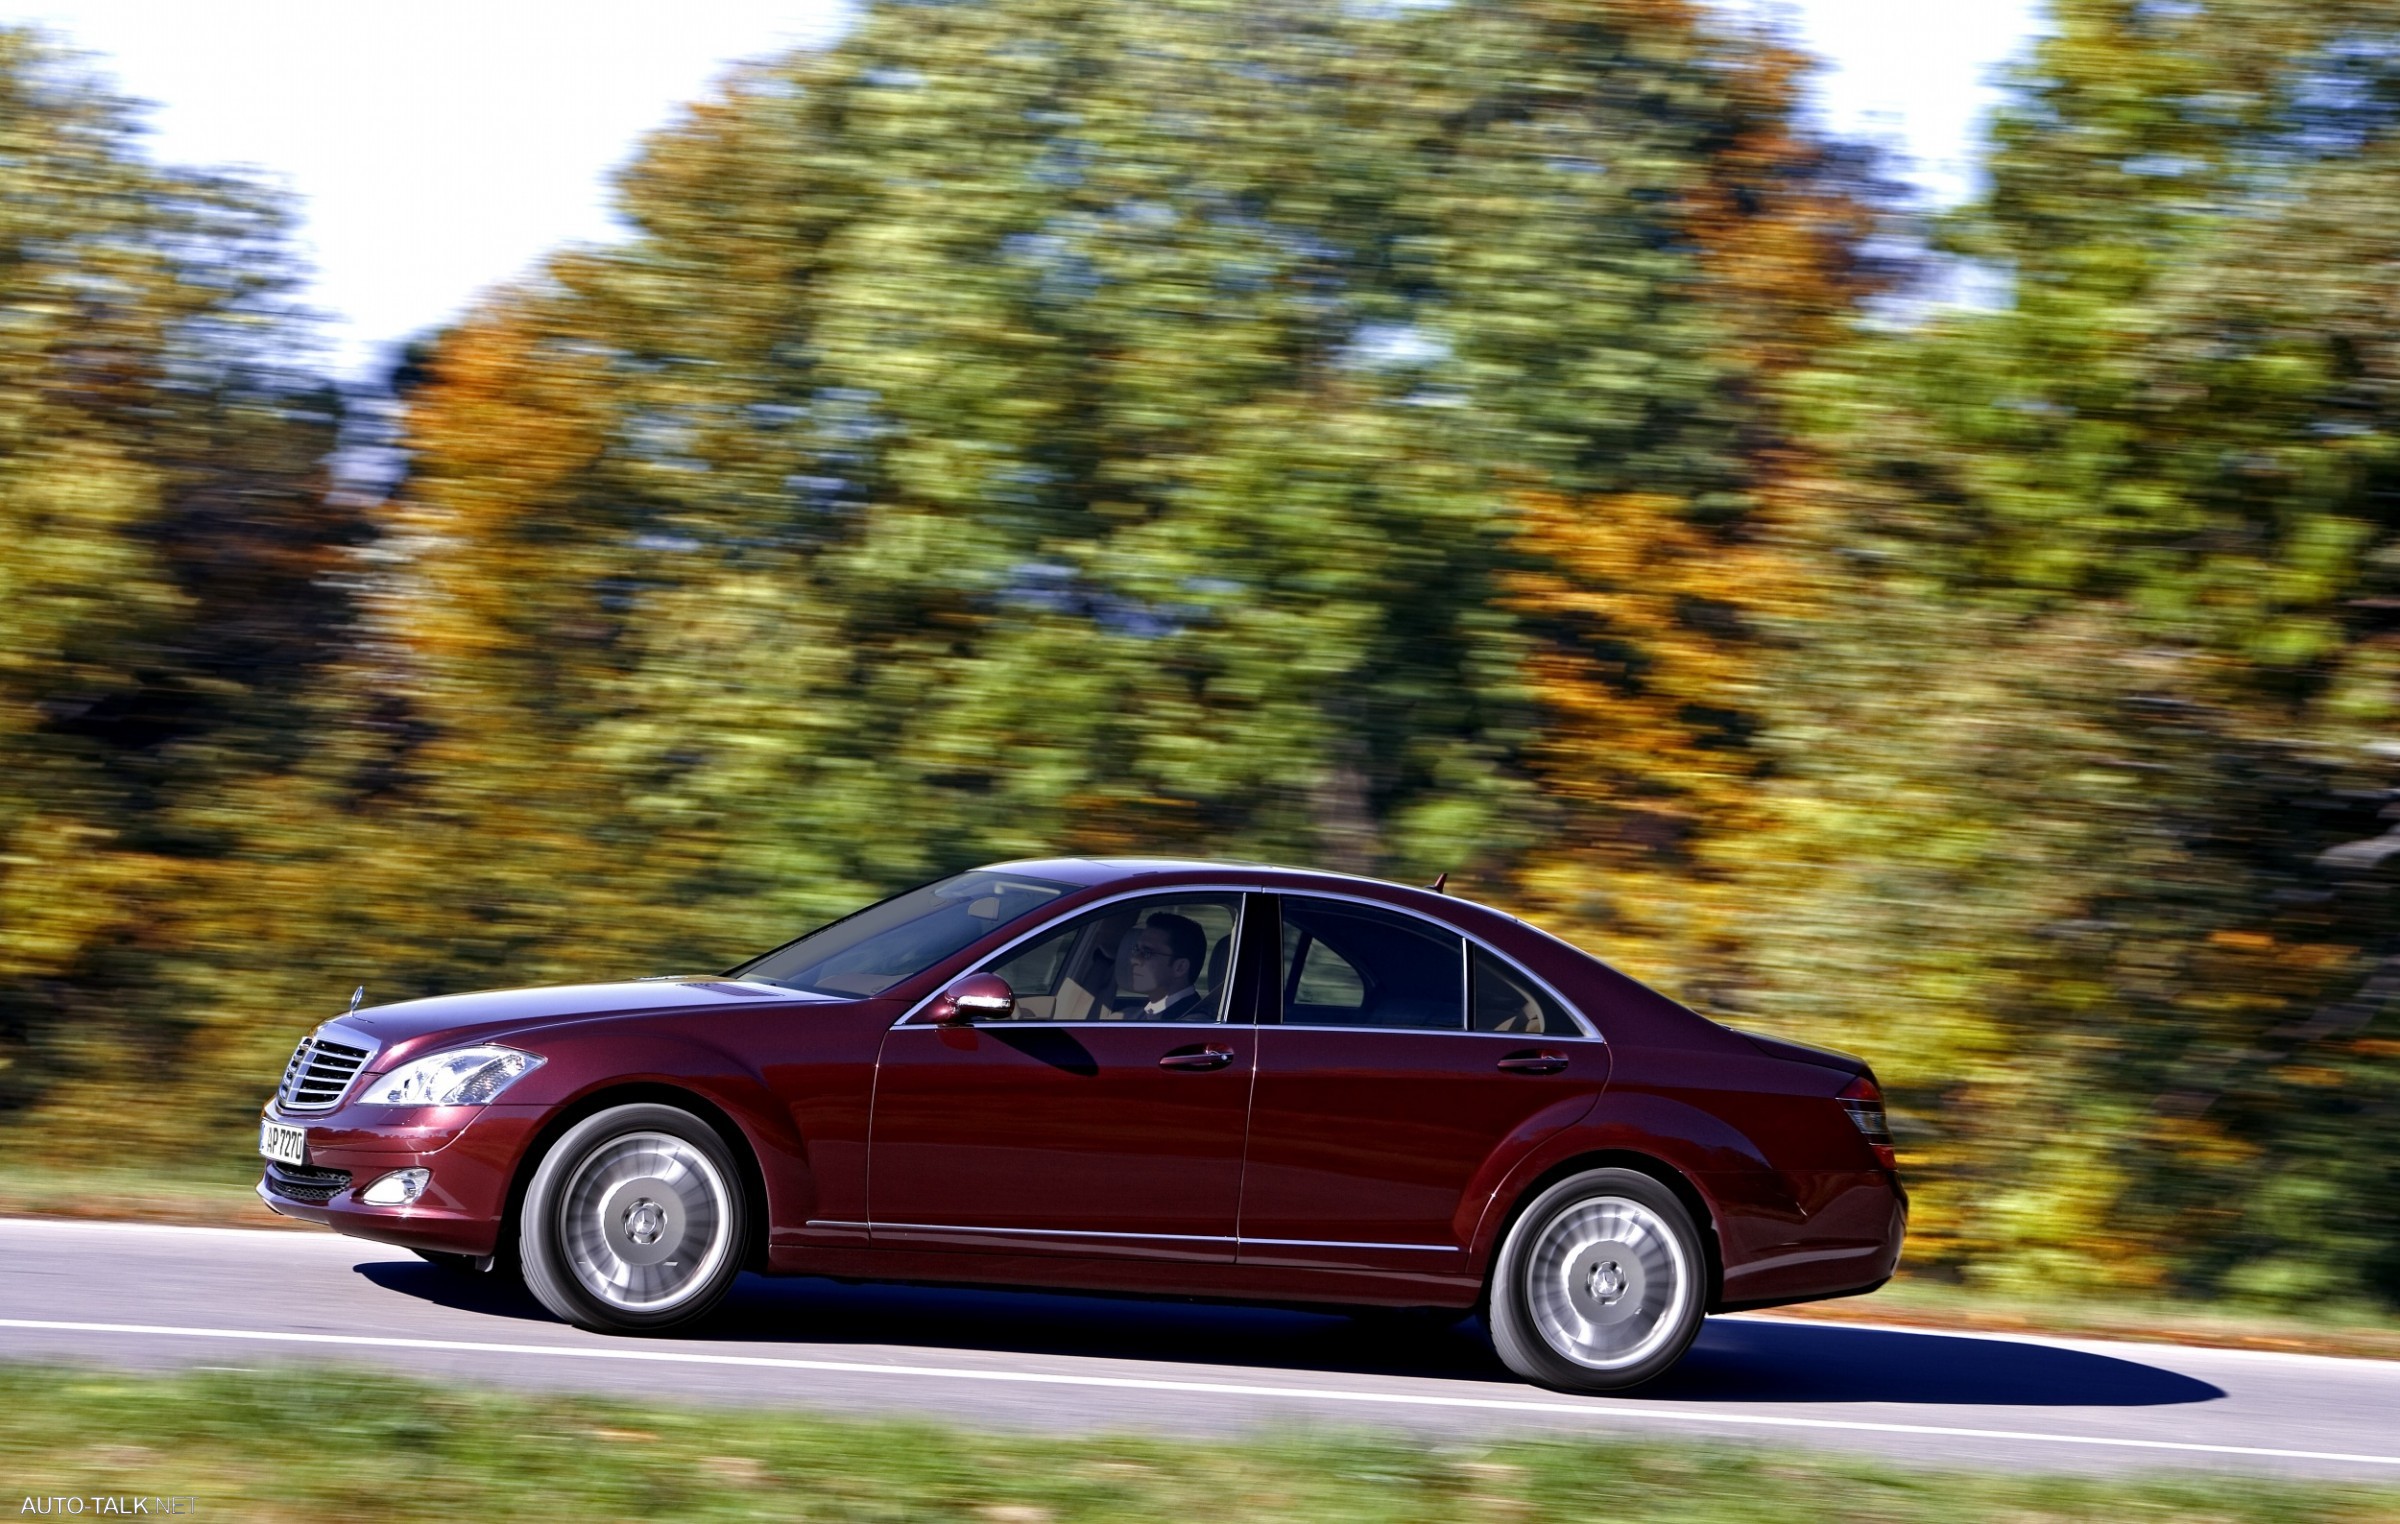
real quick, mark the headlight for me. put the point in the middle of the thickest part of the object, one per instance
(460, 1077)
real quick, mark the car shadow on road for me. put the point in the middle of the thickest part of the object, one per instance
(1748, 1360)
(493, 1294)
(1734, 1360)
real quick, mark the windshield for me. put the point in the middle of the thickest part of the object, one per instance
(868, 952)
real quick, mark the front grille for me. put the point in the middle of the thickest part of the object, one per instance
(320, 1070)
(301, 1182)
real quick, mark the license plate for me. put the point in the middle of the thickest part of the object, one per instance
(284, 1145)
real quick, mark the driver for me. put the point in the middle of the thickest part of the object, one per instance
(1160, 967)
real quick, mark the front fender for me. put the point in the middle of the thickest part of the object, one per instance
(586, 1069)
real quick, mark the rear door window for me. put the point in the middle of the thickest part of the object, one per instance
(1350, 965)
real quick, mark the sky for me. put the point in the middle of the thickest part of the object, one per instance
(440, 147)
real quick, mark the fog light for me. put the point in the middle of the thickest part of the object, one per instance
(398, 1188)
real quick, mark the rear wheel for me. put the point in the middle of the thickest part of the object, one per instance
(1600, 1284)
(634, 1221)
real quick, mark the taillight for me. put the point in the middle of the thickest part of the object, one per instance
(1864, 1102)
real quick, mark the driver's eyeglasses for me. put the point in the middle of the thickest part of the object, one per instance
(1140, 952)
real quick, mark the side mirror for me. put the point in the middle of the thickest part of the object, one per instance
(975, 997)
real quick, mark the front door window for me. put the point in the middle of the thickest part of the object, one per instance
(1163, 958)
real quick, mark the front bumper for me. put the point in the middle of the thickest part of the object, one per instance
(472, 1152)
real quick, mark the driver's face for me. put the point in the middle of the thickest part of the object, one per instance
(1152, 968)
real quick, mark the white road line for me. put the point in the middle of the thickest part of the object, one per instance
(304, 1233)
(1201, 1388)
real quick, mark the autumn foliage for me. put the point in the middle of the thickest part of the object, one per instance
(1505, 439)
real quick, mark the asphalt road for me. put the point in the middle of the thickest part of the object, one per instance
(151, 1297)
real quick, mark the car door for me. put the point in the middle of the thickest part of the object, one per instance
(1106, 1117)
(1379, 1101)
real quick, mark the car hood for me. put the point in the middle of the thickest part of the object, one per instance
(398, 1027)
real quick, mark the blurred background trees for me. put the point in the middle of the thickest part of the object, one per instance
(2108, 671)
(173, 580)
(1502, 438)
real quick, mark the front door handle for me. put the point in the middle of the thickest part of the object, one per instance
(1532, 1062)
(1210, 1057)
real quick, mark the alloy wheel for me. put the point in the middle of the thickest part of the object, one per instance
(1607, 1283)
(1600, 1284)
(643, 1221)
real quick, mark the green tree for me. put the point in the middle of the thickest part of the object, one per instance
(166, 589)
(1036, 427)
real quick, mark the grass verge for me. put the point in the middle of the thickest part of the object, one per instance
(313, 1444)
(206, 1192)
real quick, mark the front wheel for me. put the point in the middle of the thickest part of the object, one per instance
(1600, 1284)
(634, 1221)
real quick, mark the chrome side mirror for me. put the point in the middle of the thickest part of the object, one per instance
(972, 998)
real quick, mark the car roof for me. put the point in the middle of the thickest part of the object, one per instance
(1091, 872)
(1111, 872)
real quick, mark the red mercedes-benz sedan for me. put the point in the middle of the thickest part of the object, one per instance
(1180, 1078)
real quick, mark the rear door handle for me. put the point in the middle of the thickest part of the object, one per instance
(1531, 1062)
(1197, 1058)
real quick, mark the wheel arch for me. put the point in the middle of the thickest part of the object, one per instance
(654, 1092)
(1695, 1202)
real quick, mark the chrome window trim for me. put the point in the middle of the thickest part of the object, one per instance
(1014, 1025)
(1588, 1028)
(1522, 1037)
(1241, 913)
(1218, 1026)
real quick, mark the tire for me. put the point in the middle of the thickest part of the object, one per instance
(1600, 1284)
(634, 1222)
